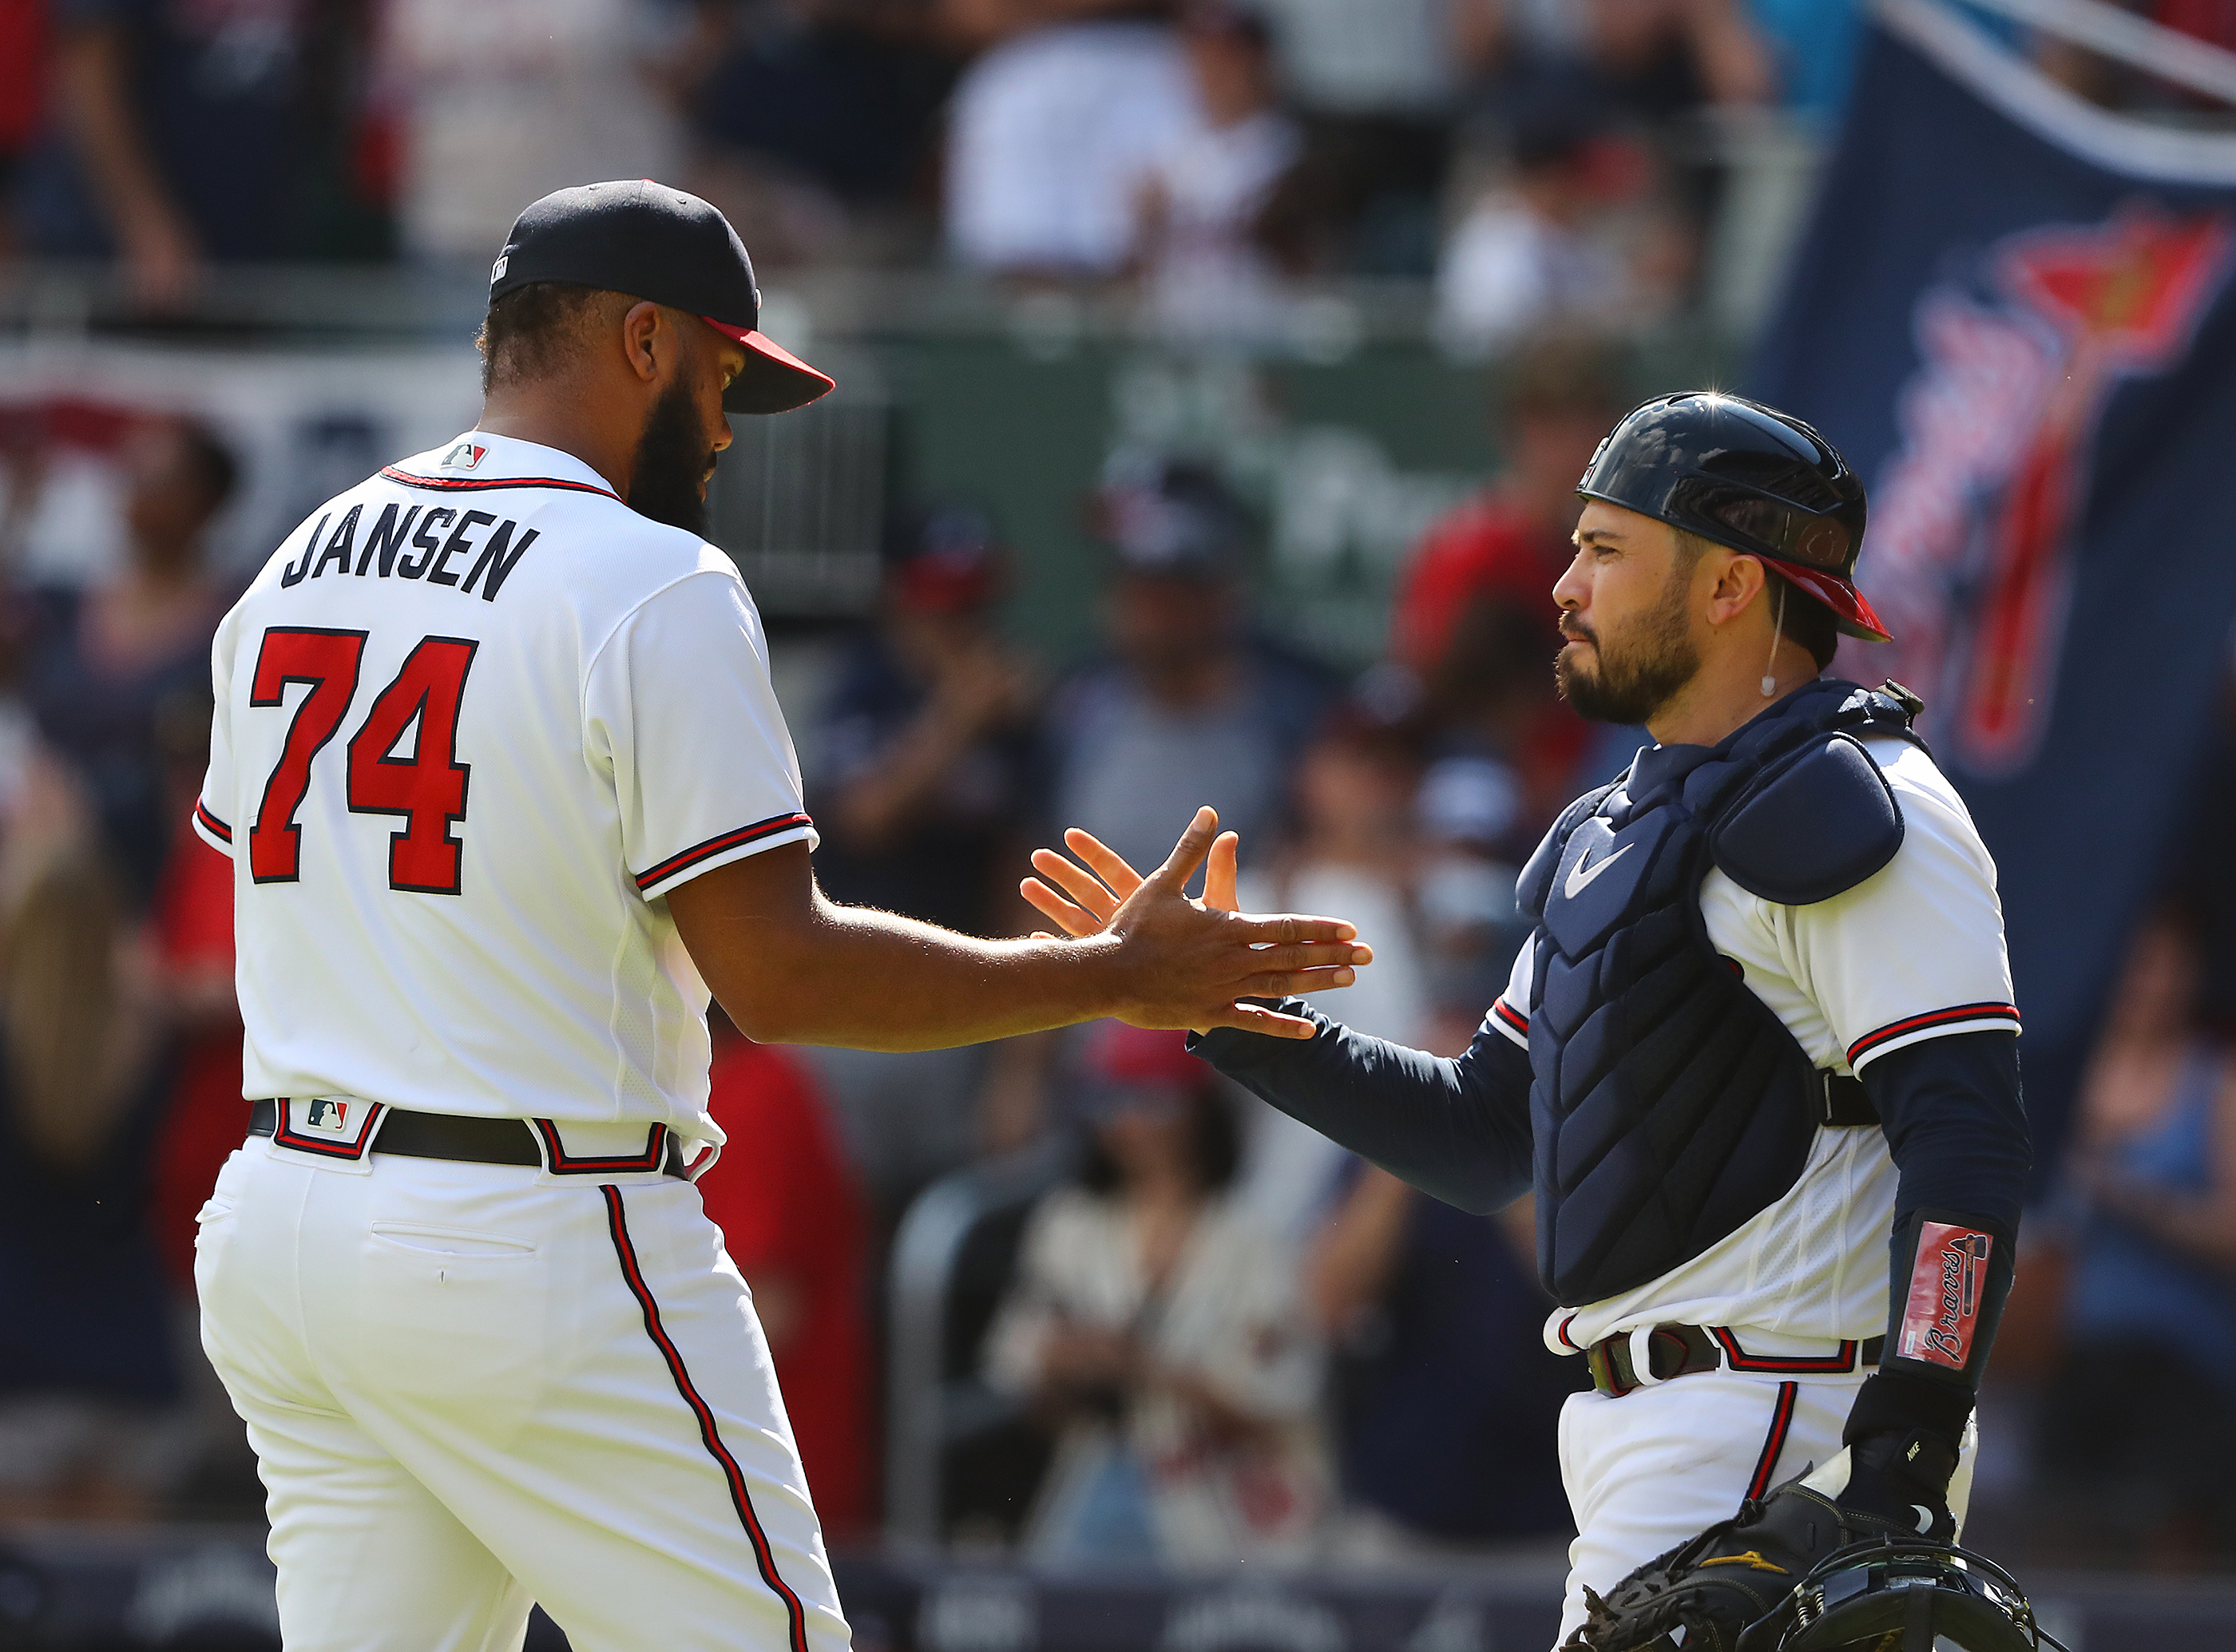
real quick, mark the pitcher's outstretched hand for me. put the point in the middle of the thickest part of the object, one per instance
(1192, 960)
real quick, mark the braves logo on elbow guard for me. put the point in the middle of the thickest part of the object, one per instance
(1942, 1310)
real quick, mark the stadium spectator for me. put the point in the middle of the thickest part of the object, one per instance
(90, 1423)
(793, 1219)
(2138, 1426)
(926, 771)
(1449, 1400)
(1473, 614)
(501, 102)
(1373, 83)
(109, 658)
(1162, 1329)
(1648, 59)
(1543, 249)
(1208, 278)
(1354, 852)
(815, 120)
(1189, 708)
(1049, 134)
(184, 131)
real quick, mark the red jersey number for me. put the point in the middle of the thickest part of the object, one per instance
(426, 787)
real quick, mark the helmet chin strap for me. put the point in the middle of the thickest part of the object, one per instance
(1777, 631)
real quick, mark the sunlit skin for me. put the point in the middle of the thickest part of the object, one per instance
(1619, 577)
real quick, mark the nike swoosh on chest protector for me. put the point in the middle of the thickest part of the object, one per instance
(1579, 875)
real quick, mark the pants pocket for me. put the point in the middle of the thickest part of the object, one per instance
(452, 1324)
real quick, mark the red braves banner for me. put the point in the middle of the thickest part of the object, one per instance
(2015, 314)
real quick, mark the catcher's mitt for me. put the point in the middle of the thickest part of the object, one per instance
(1735, 1573)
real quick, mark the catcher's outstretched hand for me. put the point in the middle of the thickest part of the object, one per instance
(1286, 953)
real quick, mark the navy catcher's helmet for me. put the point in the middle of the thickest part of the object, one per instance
(1748, 476)
(1902, 1596)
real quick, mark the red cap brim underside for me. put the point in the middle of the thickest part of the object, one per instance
(774, 380)
(1854, 614)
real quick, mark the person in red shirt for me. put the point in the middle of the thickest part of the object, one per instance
(793, 1220)
(1473, 616)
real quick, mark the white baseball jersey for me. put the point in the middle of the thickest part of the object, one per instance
(1914, 951)
(475, 719)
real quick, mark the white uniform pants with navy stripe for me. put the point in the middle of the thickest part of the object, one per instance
(1662, 1463)
(472, 1387)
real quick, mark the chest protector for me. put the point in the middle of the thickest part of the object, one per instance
(1669, 1104)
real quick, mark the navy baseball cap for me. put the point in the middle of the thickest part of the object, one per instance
(645, 239)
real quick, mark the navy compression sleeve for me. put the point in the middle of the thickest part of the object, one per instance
(1956, 1127)
(1456, 1129)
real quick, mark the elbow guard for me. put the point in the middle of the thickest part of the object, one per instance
(1951, 1274)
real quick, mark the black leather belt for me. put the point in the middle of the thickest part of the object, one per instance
(1841, 1100)
(451, 1136)
(1682, 1350)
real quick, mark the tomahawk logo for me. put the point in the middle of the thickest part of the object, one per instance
(1986, 494)
(1943, 1308)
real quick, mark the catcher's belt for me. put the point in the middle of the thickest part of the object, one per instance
(1680, 1350)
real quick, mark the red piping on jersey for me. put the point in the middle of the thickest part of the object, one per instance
(699, 852)
(1561, 1331)
(1739, 1359)
(1871, 1041)
(1781, 1419)
(709, 1435)
(484, 483)
(211, 823)
(556, 1161)
(1510, 1016)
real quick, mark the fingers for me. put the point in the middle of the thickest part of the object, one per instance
(1076, 882)
(1288, 927)
(1284, 983)
(1187, 854)
(1108, 865)
(1219, 877)
(1065, 917)
(1249, 1017)
(1311, 955)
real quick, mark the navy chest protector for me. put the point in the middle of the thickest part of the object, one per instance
(1668, 1103)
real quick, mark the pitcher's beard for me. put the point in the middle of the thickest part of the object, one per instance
(1632, 684)
(671, 461)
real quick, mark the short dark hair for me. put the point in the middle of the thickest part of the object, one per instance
(1804, 619)
(1215, 1146)
(534, 329)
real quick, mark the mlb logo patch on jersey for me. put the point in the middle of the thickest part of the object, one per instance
(464, 456)
(327, 1118)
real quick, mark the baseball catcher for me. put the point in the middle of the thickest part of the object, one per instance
(1756, 1061)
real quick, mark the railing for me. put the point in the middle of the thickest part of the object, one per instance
(927, 1410)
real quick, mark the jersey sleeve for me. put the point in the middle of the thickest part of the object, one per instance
(216, 804)
(1509, 1011)
(1916, 951)
(679, 702)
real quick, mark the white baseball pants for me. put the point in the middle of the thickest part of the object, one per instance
(1662, 1463)
(472, 1387)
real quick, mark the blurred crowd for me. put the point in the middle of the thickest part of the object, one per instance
(1212, 1335)
(1533, 157)
(1209, 1334)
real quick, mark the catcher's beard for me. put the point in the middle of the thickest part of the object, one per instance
(1636, 675)
(669, 482)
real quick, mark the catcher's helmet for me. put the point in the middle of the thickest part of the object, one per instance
(1906, 1595)
(1747, 477)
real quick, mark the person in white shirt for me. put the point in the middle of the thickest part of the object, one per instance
(1756, 1062)
(507, 791)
